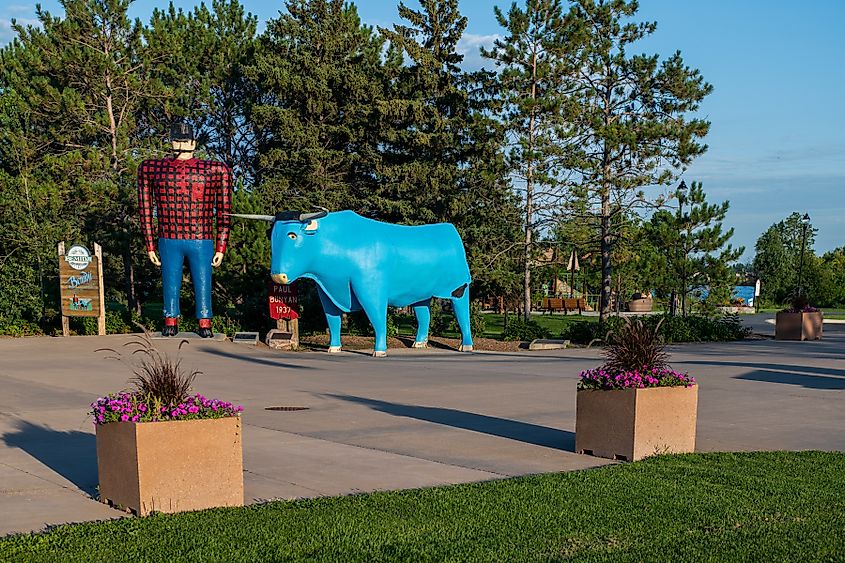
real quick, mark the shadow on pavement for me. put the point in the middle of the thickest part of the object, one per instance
(798, 370)
(249, 358)
(72, 454)
(810, 377)
(494, 426)
(806, 380)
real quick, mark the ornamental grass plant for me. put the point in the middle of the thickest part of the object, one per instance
(162, 389)
(635, 357)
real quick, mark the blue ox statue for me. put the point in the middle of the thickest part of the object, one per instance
(359, 263)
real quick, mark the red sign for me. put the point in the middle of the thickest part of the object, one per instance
(284, 301)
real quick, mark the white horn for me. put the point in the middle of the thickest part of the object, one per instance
(268, 218)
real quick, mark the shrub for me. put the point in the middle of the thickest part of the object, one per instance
(162, 389)
(693, 328)
(358, 324)
(585, 332)
(18, 327)
(522, 330)
(477, 319)
(699, 328)
(635, 357)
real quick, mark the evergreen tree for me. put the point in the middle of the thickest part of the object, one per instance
(695, 248)
(628, 115)
(778, 256)
(199, 60)
(33, 214)
(83, 78)
(531, 62)
(321, 75)
(442, 155)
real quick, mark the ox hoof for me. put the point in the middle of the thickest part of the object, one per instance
(379, 354)
(334, 349)
(465, 348)
(422, 344)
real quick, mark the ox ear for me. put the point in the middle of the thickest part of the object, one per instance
(311, 227)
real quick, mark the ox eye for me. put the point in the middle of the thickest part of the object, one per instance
(292, 236)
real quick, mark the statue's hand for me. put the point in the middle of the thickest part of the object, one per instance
(217, 260)
(154, 258)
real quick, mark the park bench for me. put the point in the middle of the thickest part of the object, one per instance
(554, 304)
(578, 303)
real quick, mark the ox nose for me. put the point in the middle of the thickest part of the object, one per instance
(280, 278)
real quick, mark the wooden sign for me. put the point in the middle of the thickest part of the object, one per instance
(283, 301)
(81, 285)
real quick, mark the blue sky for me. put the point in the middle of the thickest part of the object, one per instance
(778, 71)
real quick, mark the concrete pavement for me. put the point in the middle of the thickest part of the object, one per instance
(414, 419)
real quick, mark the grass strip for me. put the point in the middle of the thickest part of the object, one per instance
(773, 506)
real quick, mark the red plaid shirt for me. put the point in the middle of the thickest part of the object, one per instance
(187, 195)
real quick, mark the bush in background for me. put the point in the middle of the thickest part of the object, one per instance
(522, 330)
(18, 327)
(692, 328)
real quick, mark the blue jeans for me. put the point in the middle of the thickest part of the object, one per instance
(199, 254)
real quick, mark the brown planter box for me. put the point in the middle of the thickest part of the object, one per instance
(630, 424)
(640, 305)
(799, 326)
(171, 466)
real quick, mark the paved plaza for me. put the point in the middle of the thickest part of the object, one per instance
(417, 418)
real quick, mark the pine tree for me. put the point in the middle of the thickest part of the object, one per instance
(442, 151)
(531, 61)
(198, 60)
(695, 249)
(628, 114)
(321, 75)
(83, 78)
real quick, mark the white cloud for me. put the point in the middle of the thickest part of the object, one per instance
(6, 31)
(469, 46)
(18, 9)
(23, 14)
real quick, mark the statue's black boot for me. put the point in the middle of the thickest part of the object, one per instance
(205, 333)
(171, 330)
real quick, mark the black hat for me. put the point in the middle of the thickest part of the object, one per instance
(181, 131)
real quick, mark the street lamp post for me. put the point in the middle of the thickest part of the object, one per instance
(682, 188)
(805, 225)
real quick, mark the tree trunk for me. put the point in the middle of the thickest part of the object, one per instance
(529, 195)
(606, 247)
(129, 278)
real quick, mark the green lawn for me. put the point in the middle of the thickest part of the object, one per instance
(701, 507)
(553, 323)
(495, 324)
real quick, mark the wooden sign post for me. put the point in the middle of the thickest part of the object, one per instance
(284, 309)
(81, 285)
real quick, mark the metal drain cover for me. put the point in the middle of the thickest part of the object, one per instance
(286, 409)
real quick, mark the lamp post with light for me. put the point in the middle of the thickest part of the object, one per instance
(682, 188)
(805, 226)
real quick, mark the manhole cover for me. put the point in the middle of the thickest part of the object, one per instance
(286, 409)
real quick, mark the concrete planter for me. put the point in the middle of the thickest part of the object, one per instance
(799, 326)
(641, 305)
(171, 466)
(630, 424)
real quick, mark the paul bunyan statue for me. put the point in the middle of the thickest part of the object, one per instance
(187, 197)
